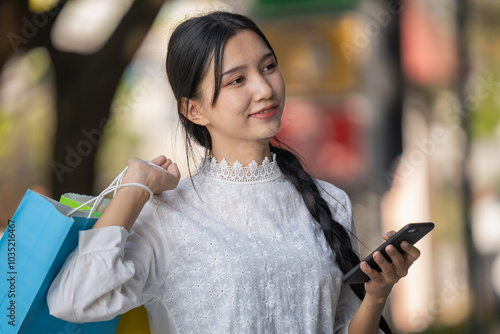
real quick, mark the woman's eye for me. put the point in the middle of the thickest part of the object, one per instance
(269, 67)
(236, 81)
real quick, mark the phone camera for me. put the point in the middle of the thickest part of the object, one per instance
(413, 230)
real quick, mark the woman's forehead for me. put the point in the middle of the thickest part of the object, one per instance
(243, 47)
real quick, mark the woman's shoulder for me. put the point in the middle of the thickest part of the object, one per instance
(337, 199)
(181, 193)
(164, 205)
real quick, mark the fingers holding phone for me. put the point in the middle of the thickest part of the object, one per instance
(398, 260)
(399, 263)
(398, 249)
(411, 254)
(387, 235)
(390, 262)
(380, 284)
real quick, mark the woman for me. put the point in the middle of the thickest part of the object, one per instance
(240, 246)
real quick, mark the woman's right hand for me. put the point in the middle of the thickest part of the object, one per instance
(164, 177)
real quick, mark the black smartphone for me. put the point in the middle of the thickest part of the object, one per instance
(412, 233)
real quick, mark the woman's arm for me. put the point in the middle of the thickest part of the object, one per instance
(114, 270)
(367, 317)
(111, 271)
(129, 201)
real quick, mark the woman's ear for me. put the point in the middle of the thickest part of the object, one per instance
(191, 110)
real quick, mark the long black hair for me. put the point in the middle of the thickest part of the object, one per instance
(192, 46)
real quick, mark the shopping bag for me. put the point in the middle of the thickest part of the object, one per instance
(134, 321)
(78, 201)
(35, 245)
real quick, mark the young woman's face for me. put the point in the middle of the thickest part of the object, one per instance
(252, 93)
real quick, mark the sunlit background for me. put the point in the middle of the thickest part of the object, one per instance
(396, 102)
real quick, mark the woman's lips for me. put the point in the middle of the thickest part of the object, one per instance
(266, 114)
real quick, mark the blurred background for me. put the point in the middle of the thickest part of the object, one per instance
(397, 102)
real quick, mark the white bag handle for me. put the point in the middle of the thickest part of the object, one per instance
(113, 187)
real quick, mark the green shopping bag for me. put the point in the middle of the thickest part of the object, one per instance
(77, 201)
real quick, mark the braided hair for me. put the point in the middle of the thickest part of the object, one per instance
(336, 235)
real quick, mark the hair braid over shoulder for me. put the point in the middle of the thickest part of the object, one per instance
(336, 235)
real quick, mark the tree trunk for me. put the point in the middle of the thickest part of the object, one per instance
(85, 87)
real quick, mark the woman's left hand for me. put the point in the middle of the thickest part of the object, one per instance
(380, 284)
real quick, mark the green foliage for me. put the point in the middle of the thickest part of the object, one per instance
(485, 120)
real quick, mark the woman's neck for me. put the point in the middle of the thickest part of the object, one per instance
(243, 152)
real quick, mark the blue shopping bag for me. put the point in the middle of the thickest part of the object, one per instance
(33, 249)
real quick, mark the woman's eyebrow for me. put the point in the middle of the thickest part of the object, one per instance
(242, 67)
(234, 69)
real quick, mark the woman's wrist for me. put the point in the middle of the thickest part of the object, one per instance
(124, 208)
(136, 194)
(375, 301)
(367, 317)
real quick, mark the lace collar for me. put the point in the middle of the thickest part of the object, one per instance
(253, 173)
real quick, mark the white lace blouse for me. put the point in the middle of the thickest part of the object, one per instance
(237, 253)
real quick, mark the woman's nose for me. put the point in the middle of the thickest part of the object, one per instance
(262, 88)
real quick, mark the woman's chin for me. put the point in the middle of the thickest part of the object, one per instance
(271, 129)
